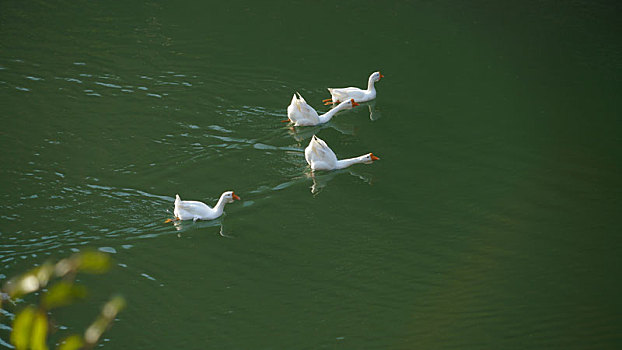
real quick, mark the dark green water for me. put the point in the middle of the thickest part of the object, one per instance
(492, 220)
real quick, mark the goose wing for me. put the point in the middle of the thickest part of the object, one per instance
(301, 113)
(319, 155)
(189, 209)
(344, 94)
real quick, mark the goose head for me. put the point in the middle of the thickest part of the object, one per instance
(351, 103)
(369, 158)
(229, 197)
(348, 104)
(376, 76)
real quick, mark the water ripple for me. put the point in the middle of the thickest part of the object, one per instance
(117, 212)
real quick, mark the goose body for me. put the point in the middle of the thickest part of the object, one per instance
(320, 157)
(195, 210)
(358, 95)
(301, 113)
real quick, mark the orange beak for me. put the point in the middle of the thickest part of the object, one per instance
(373, 157)
(285, 121)
(381, 76)
(354, 104)
(236, 197)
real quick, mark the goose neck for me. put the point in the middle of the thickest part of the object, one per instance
(328, 115)
(344, 163)
(220, 206)
(371, 84)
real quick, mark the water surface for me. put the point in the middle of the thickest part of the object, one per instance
(491, 220)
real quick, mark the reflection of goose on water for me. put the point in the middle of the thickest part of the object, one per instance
(374, 114)
(321, 181)
(301, 134)
(182, 226)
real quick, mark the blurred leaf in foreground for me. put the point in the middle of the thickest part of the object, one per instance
(105, 318)
(22, 326)
(30, 329)
(39, 333)
(61, 294)
(93, 262)
(29, 282)
(73, 342)
(31, 324)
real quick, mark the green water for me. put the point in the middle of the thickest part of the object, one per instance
(492, 220)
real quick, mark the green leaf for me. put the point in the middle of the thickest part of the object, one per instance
(73, 342)
(113, 307)
(22, 328)
(30, 329)
(103, 321)
(93, 262)
(39, 333)
(61, 294)
(29, 282)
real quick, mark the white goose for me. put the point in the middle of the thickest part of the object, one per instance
(357, 94)
(301, 114)
(195, 210)
(321, 157)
